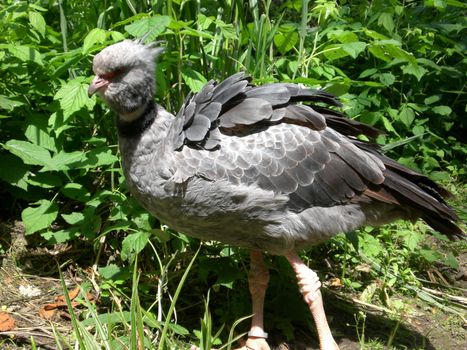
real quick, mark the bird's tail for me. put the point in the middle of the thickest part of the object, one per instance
(403, 186)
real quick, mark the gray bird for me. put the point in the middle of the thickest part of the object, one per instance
(269, 168)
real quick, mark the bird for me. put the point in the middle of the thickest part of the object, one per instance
(271, 168)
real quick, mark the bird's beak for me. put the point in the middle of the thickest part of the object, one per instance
(97, 83)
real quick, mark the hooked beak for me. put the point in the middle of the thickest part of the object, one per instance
(97, 83)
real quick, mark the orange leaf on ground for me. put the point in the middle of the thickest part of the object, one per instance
(48, 311)
(7, 323)
(71, 294)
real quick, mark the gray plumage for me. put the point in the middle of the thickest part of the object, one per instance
(253, 166)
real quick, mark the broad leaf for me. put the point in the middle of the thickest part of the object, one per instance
(37, 22)
(133, 244)
(152, 25)
(73, 96)
(97, 35)
(442, 110)
(28, 152)
(193, 79)
(39, 218)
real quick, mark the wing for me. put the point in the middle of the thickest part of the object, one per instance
(261, 136)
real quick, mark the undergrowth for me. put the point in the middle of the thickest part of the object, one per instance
(397, 65)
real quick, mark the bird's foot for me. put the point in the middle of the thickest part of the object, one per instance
(254, 343)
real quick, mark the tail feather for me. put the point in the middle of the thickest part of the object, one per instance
(411, 190)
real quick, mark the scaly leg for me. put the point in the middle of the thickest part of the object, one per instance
(258, 279)
(309, 287)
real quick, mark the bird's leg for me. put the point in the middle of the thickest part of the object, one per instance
(258, 279)
(309, 287)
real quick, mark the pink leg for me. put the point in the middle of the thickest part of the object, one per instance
(258, 279)
(309, 287)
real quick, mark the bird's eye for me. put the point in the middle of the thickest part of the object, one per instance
(112, 74)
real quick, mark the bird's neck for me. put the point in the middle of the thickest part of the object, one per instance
(135, 124)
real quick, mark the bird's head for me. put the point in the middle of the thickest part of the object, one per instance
(125, 77)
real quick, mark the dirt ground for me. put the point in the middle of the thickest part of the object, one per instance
(24, 294)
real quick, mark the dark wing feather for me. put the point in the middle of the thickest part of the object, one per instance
(260, 136)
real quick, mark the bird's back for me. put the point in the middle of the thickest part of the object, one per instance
(251, 167)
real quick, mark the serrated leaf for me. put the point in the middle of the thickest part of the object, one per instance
(28, 152)
(193, 79)
(64, 161)
(406, 116)
(24, 53)
(73, 96)
(98, 157)
(133, 244)
(354, 48)
(37, 22)
(415, 70)
(154, 25)
(334, 52)
(442, 110)
(97, 35)
(286, 40)
(39, 218)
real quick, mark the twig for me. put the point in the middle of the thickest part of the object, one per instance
(457, 298)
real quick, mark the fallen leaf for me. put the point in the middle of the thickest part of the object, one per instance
(46, 312)
(7, 323)
(335, 282)
(71, 294)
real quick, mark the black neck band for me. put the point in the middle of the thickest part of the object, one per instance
(137, 126)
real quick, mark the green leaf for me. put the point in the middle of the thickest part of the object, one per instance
(133, 244)
(37, 22)
(76, 191)
(14, 171)
(73, 96)
(367, 73)
(406, 116)
(64, 161)
(193, 79)
(28, 152)
(24, 53)
(38, 218)
(73, 218)
(45, 180)
(38, 134)
(387, 78)
(415, 70)
(442, 110)
(8, 103)
(286, 40)
(432, 99)
(385, 20)
(354, 48)
(451, 261)
(97, 35)
(61, 236)
(98, 157)
(153, 25)
(110, 271)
